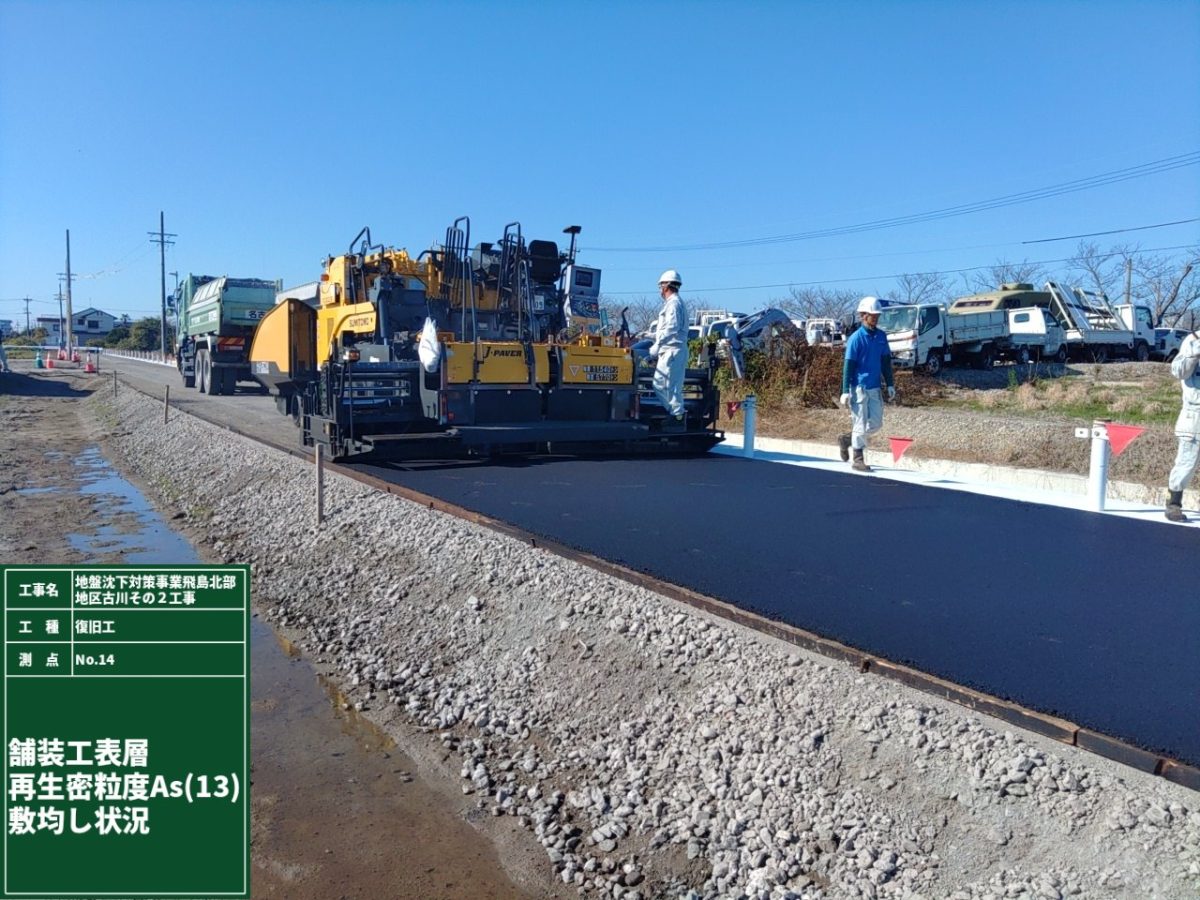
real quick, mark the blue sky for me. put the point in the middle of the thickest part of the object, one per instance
(270, 133)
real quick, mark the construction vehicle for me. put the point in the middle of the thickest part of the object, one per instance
(216, 318)
(468, 350)
(1095, 331)
(972, 331)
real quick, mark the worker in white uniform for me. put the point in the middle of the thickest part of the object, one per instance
(671, 350)
(1187, 426)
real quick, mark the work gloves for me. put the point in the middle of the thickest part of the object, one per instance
(844, 400)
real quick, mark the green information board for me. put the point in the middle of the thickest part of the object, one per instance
(126, 731)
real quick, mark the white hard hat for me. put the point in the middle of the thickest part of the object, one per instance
(870, 305)
(670, 277)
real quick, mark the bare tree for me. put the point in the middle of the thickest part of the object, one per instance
(640, 311)
(1004, 272)
(922, 287)
(1170, 288)
(1099, 270)
(818, 303)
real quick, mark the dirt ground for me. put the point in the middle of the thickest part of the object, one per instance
(995, 422)
(337, 811)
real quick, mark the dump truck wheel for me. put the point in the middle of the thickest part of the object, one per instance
(933, 363)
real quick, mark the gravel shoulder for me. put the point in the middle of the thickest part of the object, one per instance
(646, 749)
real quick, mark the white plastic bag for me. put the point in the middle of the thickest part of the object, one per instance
(428, 349)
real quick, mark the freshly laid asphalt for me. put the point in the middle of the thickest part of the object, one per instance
(1089, 617)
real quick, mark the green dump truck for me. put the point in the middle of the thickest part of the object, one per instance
(217, 317)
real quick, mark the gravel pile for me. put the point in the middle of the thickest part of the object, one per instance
(651, 750)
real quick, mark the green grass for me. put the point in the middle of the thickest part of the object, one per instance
(1083, 397)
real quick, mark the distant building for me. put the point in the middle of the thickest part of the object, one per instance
(6, 327)
(85, 325)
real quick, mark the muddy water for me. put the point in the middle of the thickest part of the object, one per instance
(336, 810)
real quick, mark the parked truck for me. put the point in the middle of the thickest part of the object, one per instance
(217, 317)
(972, 331)
(1095, 330)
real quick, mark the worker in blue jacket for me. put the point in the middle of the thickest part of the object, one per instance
(866, 370)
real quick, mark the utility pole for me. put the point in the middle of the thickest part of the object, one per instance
(160, 238)
(70, 311)
(62, 323)
(27, 301)
(1128, 280)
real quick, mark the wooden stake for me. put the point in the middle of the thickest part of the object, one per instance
(320, 470)
(166, 403)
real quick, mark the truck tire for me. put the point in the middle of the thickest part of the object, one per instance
(199, 365)
(208, 377)
(1022, 356)
(1100, 354)
(1061, 356)
(933, 363)
(189, 381)
(1141, 352)
(228, 380)
(985, 359)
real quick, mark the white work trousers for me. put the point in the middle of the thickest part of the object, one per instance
(1185, 462)
(668, 379)
(866, 415)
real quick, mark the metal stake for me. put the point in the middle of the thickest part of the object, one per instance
(166, 403)
(749, 417)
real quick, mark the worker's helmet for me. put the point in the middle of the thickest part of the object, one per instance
(670, 277)
(870, 305)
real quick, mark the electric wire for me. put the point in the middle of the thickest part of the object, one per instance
(1057, 190)
(860, 278)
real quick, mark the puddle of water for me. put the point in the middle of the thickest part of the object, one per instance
(334, 804)
(152, 541)
(38, 490)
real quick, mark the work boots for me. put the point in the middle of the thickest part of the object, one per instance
(859, 464)
(844, 447)
(1175, 507)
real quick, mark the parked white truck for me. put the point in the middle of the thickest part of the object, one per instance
(1097, 330)
(972, 331)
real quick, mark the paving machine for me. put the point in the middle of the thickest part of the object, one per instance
(468, 350)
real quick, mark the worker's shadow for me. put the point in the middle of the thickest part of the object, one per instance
(18, 384)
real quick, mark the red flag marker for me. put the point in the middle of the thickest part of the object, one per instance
(731, 408)
(1121, 436)
(899, 445)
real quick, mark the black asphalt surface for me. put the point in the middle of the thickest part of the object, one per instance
(1089, 617)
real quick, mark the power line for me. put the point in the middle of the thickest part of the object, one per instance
(859, 278)
(891, 253)
(1057, 190)
(1071, 237)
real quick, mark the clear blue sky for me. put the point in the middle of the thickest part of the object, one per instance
(269, 133)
